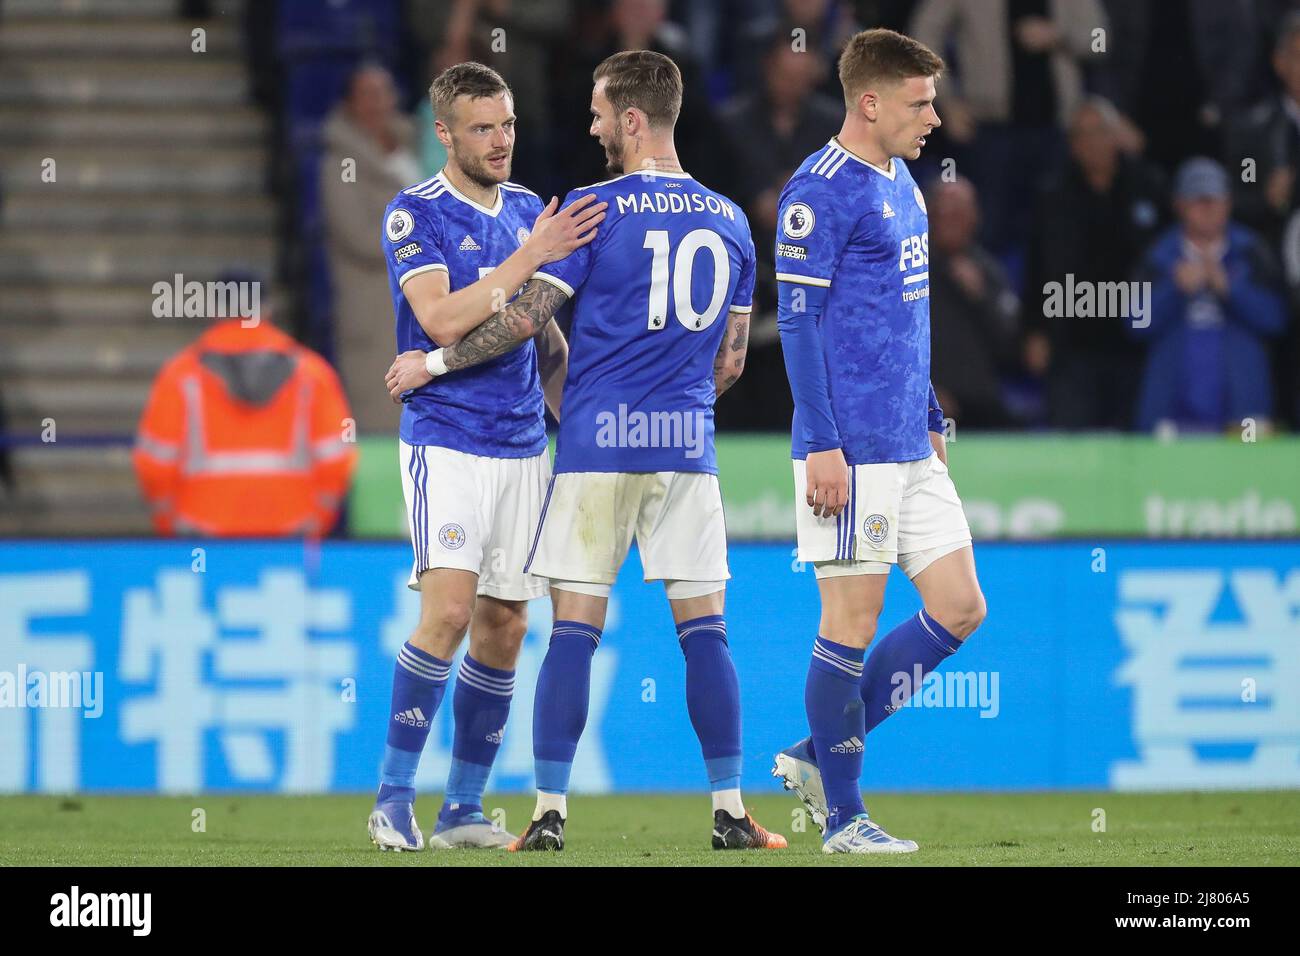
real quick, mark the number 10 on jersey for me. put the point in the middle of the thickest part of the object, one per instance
(683, 264)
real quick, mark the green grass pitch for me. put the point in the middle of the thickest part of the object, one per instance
(1052, 829)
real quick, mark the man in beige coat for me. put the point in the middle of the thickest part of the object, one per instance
(368, 158)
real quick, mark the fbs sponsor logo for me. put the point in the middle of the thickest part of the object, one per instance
(412, 718)
(851, 746)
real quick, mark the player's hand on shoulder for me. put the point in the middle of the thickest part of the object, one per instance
(556, 234)
(828, 482)
(407, 372)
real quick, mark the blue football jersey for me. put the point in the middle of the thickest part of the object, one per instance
(494, 409)
(862, 233)
(650, 301)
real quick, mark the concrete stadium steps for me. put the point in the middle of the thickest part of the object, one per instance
(161, 169)
(158, 126)
(147, 259)
(80, 405)
(238, 171)
(148, 35)
(98, 9)
(202, 81)
(73, 490)
(135, 350)
(70, 212)
(99, 307)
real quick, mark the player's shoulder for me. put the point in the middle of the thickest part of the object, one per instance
(832, 171)
(417, 208)
(425, 194)
(621, 183)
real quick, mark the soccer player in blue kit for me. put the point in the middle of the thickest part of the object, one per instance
(473, 449)
(870, 467)
(661, 303)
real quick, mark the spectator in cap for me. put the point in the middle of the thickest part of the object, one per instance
(1214, 303)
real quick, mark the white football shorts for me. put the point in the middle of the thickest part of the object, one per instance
(905, 513)
(590, 518)
(474, 513)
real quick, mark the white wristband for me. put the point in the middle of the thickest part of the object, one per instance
(434, 363)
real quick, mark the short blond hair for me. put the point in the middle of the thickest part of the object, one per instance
(464, 79)
(873, 56)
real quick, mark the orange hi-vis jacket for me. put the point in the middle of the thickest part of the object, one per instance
(246, 433)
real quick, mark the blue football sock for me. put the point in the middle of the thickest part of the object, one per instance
(900, 651)
(899, 662)
(481, 704)
(713, 697)
(836, 719)
(560, 702)
(419, 681)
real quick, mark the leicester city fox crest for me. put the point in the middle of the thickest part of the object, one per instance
(452, 536)
(876, 528)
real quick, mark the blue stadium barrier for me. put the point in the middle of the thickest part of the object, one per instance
(266, 667)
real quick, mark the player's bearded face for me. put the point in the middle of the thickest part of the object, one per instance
(607, 129)
(614, 151)
(483, 139)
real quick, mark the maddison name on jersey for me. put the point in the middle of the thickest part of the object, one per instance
(673, 202)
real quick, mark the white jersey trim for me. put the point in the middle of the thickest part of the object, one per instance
(494, 211)
(412, 190)
(889, 173)
(742, 309)
(431, 267)
(558, 283)
(640, 172)
(802, 280)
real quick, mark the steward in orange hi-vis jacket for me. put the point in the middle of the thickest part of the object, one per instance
(244, 435)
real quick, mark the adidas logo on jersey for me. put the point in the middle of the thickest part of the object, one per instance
(886, 212)
(412, 718)
(851, 746)
(496, 736)
(469, 245)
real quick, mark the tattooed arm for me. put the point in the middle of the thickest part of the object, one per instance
(730, 360)
(520, 320)
(552, 364)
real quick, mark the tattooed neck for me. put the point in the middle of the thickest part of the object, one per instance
(663, 164)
